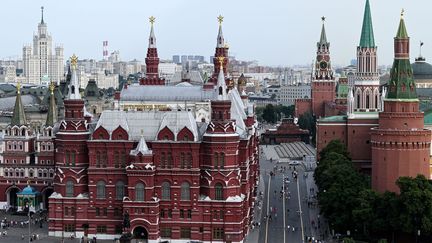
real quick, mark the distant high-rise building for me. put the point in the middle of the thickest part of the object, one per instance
(176, 59)
(41, 65)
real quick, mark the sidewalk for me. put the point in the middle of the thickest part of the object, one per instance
(253, 235)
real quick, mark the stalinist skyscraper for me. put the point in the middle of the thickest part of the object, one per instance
(40, 65)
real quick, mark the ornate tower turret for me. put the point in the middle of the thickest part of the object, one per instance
(400, 145)
(52, 108)
(152, 61)
(221, 51)
(71, 141)
(221, 144)
(18, 117)
(366, 84)
(323, 83)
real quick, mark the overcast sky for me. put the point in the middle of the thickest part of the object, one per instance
(273, 32)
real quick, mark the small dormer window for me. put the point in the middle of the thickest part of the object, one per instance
(72, 89)
(220, 90)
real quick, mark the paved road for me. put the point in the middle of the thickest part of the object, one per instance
(285, 208)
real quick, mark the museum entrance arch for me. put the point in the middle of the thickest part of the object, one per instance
(45, 196)
(141, 234)
(12, 198)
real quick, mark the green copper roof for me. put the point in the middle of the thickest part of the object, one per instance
(367, 35)
(428, 117)
(342, 90)
(401, 83)
(52, 111)
(334, 119)
(323, 38)
(402, 32)
(18, 117)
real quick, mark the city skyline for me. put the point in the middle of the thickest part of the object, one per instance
(273, 34)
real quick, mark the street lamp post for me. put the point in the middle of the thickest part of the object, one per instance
(29, 224)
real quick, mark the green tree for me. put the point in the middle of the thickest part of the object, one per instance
(416, 204)
(335, 146)
(307, 121)
(269, 114)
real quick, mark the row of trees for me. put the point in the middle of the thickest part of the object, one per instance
(349, 204)
(272, 114)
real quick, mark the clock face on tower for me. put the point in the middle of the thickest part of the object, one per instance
(323, 64)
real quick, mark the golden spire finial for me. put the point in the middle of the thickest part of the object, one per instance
(152, 20)
(18, 87)
(220, 19)
(74, 61)
(221, 61)
(323, 18)
(51, 87)
(402, 13)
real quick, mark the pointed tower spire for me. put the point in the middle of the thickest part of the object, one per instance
(42, 10)
(323, 38)
(141, 147)
(74, 93)
(402, 32)
(367, 36)
(221, 84)
(401, 84)
(18, 117)
(220, 38)
(52, 109)
(152, 37)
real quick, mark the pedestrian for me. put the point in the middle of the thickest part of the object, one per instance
(22, 237)
(288, 227)
(293, 229)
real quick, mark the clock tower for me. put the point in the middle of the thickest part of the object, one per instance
(323, 84)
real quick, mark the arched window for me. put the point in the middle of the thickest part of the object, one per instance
(67, 157)
(100, 189)
(166, 191)
(219, 192)
(139, 192)
(216, 160)
(72, 159)
(116, 159)
(367, 101)
(221, 160)
(185, 191)
(69, 188)
(358, 101)
(182, 160)
(169, 160)
(104, 159)
(98, 159)
(189, 160)
(163, 160)
(119, 190)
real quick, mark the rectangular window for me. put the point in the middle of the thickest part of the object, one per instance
(162, 213)
(181, 213)
(185, 232)
(66, 211)
(166, 232)
(73, 211)
(69, 228)
(189, 213)
(97, 212)
(218, 233)
(105, 211)
(221, 214)
(101, 229)
(116, 212)
(169, 213)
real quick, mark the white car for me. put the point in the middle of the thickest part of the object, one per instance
(294, 163)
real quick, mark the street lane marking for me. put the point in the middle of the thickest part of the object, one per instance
(301, 218)
(283, 203)
(268, 207)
